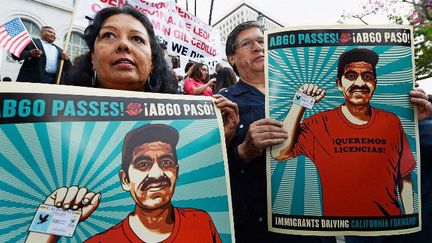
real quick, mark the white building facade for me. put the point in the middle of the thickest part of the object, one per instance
(35, 14)
(242, 13)
(58, 13)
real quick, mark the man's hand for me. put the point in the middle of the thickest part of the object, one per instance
(230, 116)
(211, 82)
(36, 53)
(261, 135)
(313, 90)
(76, 199)
(419, 98)
(64, 56)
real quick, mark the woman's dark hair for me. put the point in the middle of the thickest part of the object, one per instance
(160, 80)
(225, 78)
(188, 65)
(196, 72)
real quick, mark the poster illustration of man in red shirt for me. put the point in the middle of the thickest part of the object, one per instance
(380, 159)
(149, 171)
(350, 162)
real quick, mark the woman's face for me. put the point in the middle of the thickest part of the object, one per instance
(122, 55)
(204, 72)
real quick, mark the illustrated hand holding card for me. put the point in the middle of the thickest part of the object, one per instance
(55, 221)
(304, 100)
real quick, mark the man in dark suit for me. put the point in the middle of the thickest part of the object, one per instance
(42, 62)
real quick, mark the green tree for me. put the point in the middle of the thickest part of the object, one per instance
(420, 17)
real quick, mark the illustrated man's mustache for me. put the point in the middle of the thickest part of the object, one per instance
(359, 88)
(163, 181)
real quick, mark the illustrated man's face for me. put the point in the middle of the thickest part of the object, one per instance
(151, 175)
(357, 83)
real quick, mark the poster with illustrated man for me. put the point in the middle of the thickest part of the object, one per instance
(350, 165)
(95, 165)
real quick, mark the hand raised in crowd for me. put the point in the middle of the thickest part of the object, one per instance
(230, 116)
(211, 82)
(36, 53)
(76, 199)
(64, 56)
(419, 98)
(314, 91)
(189, 72)
(261, 135)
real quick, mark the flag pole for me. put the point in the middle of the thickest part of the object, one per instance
(66, 44)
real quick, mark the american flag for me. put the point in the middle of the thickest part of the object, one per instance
(14, 36)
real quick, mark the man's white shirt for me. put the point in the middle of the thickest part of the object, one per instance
(51, 54)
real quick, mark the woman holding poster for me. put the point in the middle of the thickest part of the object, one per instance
(124, 55)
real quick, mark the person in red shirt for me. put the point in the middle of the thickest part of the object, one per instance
(355, 146)
(149, 172)
(198, 83)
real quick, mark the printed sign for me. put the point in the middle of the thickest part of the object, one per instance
(56, 221)
(113, 157)
(182, 32)
(350, 164)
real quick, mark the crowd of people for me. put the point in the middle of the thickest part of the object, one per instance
(124, 54)
(196, 80)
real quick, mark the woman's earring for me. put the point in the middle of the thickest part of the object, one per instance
(93, 81)
(149, 83)
(94, 78)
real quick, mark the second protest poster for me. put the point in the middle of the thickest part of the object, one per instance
(97, 165)
(350, 165)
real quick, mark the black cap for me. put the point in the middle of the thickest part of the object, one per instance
(357, 55)
(147, 134)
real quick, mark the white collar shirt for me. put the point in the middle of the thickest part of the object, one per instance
(51, 54)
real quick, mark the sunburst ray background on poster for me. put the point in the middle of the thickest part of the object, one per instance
(37, 158)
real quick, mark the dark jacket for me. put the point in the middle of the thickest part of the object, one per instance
(33, 68)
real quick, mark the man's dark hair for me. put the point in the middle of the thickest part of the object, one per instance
(147, 134)
(225, 78)
(219, 67)
(231, 44)
(7, 79)
(46, 27)
(160, 78)
(357, 55)
(188, 65)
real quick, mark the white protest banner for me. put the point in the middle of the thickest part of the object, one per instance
(183, 33)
